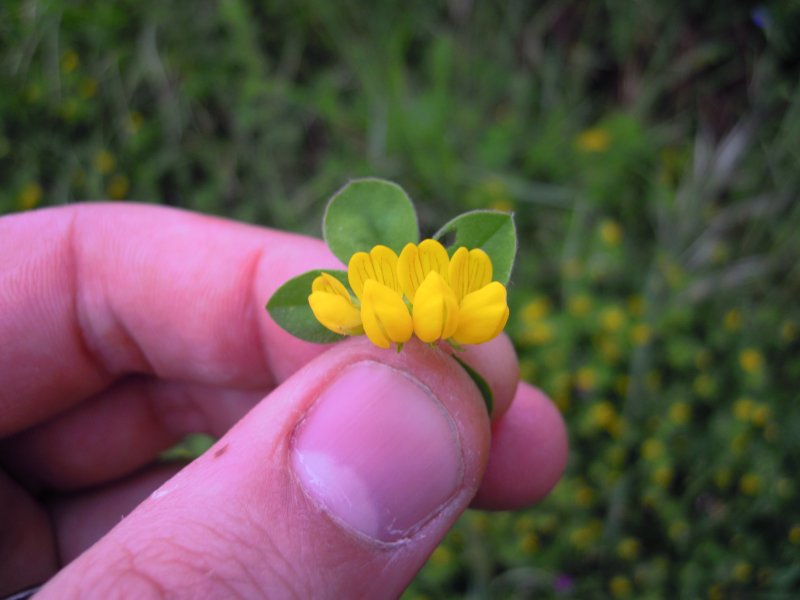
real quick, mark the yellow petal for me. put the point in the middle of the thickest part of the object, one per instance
(327, 283)
(470, 270)
(435, 311)
(416, 262)
(384, 314)
(482, 314)
(379, 265)
(336, 313)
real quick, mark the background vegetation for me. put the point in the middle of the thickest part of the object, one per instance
(650, 152)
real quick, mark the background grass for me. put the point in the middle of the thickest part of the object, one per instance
(650, 152)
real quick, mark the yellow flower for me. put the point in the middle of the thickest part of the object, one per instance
(448, 299)
(469, 271)
(118, 187)
(733, 320)
(612, 318)
(743, 408)
(482, 315)
(435, 313)
(662, 476)
(760, 414)
(538, 333)
(751, 360)
(333, 307)
(472, 308)
(680, 413)
(30, 196)
(379, 265)
(742, 571)
(384, 314)
(579, 305)
(529, 543)
(652, 449)
(794, 535)
(104, 162)
(586, 379)
(595, 139)
(750, 484)
(628, 548)
(789, 331)
(416, 262)
(636, 305)
(535, 310)
(620, 586)
(70, 61)
(610, 232)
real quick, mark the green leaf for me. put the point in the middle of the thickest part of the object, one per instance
(289, 308)
(368, 212)
(483, 387)
(491, 231)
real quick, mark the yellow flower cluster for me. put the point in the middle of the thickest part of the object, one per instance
(445, 298)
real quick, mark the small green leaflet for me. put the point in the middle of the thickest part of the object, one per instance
(289, 308)
(491, 231)
(368, 212)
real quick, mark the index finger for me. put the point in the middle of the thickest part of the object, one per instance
(91, 293)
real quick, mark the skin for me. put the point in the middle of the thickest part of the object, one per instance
(126, 327)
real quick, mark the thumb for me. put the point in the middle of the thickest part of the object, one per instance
(339, 484)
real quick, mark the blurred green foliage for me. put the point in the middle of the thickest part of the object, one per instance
(649, 151)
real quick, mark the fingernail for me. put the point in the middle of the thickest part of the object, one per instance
(378, 452)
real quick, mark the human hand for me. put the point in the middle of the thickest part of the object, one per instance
(124, 328)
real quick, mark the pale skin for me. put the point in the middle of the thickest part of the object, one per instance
(124, 328)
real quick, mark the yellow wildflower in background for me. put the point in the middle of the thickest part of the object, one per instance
(652, 449)
(135, 120)
(579, 305)
(794, 535)
(445, 298)
(629, 548)
(586, 379)
(636, 305)
(742, 572)
(104, 162)
(539, 333)
(733, 320)
(750, 484)
(751, 360)
(680, 413)
(663, 475)
(118, 187)
(612, 318)
(30, 196)
(595, 139)
(535, 310)
(620, 586)
(760, 414)
(70, 61)
(610, 232)
(743, 408)
(88, 88)
(789, 330)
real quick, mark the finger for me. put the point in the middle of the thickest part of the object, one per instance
(91, 293)
(27, 553)
(125, 427)
(339, 485)
(120, 431)
(79, 520)
(528, 455)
